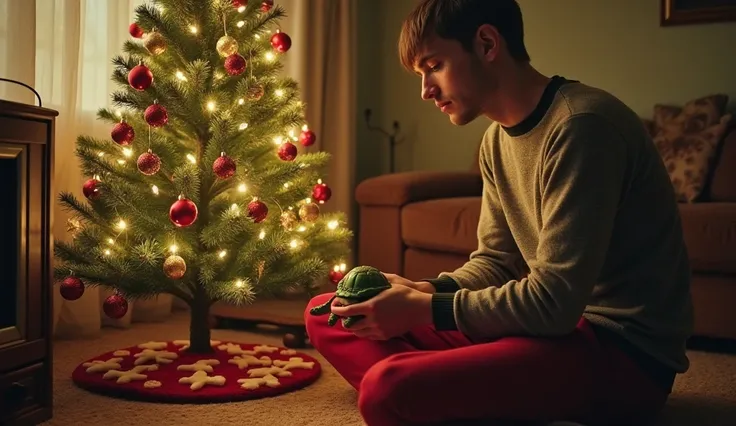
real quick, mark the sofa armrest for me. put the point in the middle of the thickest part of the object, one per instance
(397, 189)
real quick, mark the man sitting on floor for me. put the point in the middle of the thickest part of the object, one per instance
(576, 304)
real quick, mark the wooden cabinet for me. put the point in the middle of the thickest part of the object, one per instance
(26, 250)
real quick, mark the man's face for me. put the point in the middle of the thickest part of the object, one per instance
(456, 80)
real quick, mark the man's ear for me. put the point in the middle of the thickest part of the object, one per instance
(488, 41)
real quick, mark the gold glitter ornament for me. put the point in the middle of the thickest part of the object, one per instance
(155, 43)
(309, 212)
(255, 92)
(175, 267)
(289, 220)
(227, 46)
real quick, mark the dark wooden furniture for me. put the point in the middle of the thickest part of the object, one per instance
(286, 314)
(26, 175)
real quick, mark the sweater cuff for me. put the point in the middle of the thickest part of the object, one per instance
(443, 284)
(443, 311)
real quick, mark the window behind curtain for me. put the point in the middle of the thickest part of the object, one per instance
(59, 44)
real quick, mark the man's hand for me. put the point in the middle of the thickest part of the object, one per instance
(391, 313)
(423, 286)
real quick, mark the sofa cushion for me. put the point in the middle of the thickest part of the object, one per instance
(695, 115)
(449, 225)
(445, 224)
(688, 139)
(710, 236)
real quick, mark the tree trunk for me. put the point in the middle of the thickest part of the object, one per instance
(199, 326)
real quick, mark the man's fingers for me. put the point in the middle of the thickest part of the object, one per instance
(362, 324)
(352, 310)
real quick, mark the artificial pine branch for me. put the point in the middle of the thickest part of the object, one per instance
(70, 203)
(133, 49)
(148, 251)
(233, 226)
(260, 25)
(207, 273)
(186, 181)
(126, 100)
(188, 48)
(277, 281)
(71, 253)
(108, 116)
(224, 291)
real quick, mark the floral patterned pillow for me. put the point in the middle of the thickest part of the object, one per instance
(687, 139)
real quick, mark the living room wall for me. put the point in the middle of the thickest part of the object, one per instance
(616, 45)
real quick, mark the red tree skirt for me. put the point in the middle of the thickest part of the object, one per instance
(165, 372)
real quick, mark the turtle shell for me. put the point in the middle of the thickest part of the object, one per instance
(362, 282)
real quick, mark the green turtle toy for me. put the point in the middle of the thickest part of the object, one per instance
(358, 285)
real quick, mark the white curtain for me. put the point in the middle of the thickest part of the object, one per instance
(63, 48)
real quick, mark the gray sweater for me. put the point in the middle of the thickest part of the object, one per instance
(578, 218)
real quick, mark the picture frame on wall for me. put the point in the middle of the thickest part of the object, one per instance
(688, 12)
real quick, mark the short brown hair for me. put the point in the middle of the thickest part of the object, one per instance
(459, 20)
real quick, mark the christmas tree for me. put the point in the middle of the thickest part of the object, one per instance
(200, 191)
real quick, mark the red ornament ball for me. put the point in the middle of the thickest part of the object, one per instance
(135, 30)
(266, 5)
(287, 151)
(257, 210)
(235, 64)
(321, 193)
(183, 212)
(149, 163)
(140, 77)
(90, 189)
(224, 167)
(72, 288)
(123, 133)
(239, 3)
(307, 137)
(115, 306)
(281, 42)
(156, 115)
(336, 275)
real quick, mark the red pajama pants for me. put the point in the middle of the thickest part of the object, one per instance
(430, 377)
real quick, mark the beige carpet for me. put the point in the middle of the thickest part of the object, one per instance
(706, 396)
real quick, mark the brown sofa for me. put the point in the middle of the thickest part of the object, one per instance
(418, 224)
